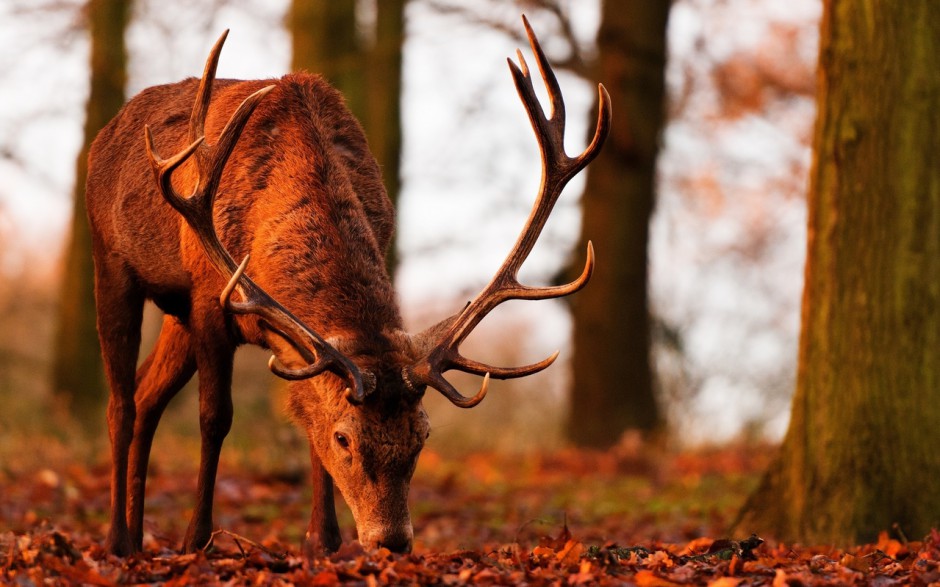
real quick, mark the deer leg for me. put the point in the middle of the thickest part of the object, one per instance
(214, 357)
(323, 532)
(159, 379)
(120, 305)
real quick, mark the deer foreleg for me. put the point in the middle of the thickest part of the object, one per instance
(323, 531)
(214, 363)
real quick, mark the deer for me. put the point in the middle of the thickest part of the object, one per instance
(290, 187)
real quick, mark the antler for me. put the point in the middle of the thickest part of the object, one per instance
(197, 211)
(557, 169)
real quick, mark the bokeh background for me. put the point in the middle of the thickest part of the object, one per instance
(726, 245)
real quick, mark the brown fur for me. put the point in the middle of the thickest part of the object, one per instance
(303, 195)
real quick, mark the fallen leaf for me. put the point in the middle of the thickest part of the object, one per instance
(571, 553)
(650, 579)
(861, 564)
(543, 551)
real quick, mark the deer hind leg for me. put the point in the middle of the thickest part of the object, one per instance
(165, 371)
(214, 355)
(120, 303)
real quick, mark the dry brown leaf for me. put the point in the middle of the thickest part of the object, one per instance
(571, 553)
(651, 579)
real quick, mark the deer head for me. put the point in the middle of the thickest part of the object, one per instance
(357, 391)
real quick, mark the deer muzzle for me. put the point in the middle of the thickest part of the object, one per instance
(397, 538)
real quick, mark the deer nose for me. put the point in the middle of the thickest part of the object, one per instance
(394, 532)
(397, 540)
(398, 543)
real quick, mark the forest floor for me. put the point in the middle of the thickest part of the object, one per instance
(572, 517)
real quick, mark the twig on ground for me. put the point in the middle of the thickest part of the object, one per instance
(239, 539)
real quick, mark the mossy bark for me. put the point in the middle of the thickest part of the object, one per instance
(78, 374)
(861, 453)
(612, 389)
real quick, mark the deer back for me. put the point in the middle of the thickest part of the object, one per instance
(301, 193)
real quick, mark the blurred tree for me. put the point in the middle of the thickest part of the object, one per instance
(77, 368)
(364, 65)
(612, 388)
(326, 40)
(861, 451)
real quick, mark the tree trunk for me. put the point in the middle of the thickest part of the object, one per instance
(325, 41)
(861, 451)
(78, 374)
(612, 388)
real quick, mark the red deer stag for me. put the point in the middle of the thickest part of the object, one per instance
(291, 184)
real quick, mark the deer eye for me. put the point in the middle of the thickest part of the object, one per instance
(341, 440)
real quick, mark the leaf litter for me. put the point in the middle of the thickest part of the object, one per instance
(572, 518)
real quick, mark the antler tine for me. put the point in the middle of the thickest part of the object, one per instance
(477, 368)
(556, 113)
(211, 167)
(550, 130)
(557, 169)
(601, 130)
(163, 169)
(548, 74)
(455, 397)
(197, 120)
(197, 211)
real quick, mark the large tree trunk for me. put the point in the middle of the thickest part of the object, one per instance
(612, 390)
(325, 41)
(861, 451)
(78, 373)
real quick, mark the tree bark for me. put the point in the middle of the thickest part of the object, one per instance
(861, 451)
(325, 41)
(612, 388)
(78, 374)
